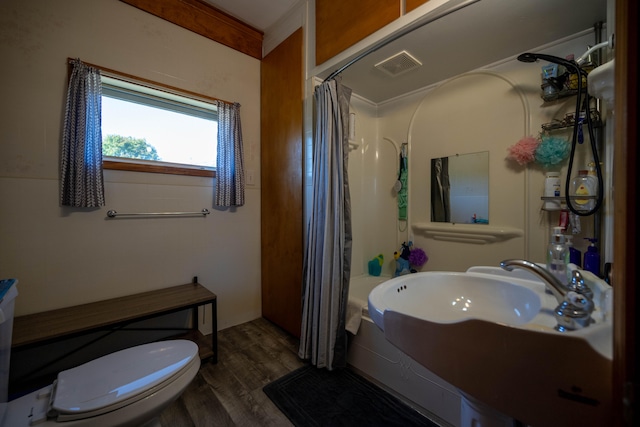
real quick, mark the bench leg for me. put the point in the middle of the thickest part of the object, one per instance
(214, 333)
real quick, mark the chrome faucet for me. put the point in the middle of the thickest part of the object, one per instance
(575, 303)
(557, 288)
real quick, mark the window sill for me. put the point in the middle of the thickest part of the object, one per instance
(168, 170)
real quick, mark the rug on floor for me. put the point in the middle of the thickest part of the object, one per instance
(310, 396)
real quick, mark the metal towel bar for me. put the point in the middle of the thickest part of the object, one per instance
(113, 214)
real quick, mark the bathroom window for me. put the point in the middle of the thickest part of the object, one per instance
(153, 129)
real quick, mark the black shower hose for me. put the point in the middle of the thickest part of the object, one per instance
(592, 140)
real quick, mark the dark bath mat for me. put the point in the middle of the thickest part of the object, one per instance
(310, 396)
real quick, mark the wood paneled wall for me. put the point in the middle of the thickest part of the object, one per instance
(412, 4)
(626, 321)
(340, 24)
(281, 183)
(204, 19)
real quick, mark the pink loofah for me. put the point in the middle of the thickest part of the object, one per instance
(524, 151)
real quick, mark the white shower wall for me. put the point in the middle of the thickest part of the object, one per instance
(373, 171)
(465, 114)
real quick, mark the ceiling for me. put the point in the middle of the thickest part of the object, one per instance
(260, 14)
(479, 34)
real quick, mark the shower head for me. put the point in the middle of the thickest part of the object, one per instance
(533, 57)
(527, 57)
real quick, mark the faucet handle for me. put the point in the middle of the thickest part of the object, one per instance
(574, 312)
(577, 285)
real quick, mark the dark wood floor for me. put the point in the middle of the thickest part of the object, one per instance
(229, 393)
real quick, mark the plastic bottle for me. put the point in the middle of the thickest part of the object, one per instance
(583, 185)
(592, 258)
(552, 189)
(575, 256)
(558, 255)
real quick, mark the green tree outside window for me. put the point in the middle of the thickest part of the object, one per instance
(129, 147)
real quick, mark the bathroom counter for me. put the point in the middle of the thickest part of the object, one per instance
(48, 326)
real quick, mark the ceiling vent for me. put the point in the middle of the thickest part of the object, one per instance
(398, 64)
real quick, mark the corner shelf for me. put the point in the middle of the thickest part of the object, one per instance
(562, 198)
(565, 93)
(569, 122)
(562, 201)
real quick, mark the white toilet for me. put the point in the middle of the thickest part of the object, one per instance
(127, 388)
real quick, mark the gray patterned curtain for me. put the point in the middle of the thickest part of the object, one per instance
(327, 264)
(81, 156)
(230, 160)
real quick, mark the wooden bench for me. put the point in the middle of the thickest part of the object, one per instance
(117, 313)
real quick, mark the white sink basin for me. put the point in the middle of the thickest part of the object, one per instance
(455, 297)
(491, 334)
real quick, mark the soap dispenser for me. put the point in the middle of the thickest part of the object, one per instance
(558, 255)
(592, 258)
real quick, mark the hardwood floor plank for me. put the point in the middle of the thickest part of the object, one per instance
(246, 370)
(229, 393)
(176, 415)
(233, 394)
(204, 407)
(272, 415)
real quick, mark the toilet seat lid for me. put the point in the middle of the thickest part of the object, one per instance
(117, 377)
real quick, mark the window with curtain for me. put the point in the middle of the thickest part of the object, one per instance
(119, 123)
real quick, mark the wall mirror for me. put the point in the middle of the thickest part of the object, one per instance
(460, 188)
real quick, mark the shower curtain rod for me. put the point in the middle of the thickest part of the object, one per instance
(399, 35)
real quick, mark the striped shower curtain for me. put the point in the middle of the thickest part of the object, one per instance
(327, 263)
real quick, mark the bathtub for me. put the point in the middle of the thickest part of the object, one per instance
(376, 358)
(358, 305)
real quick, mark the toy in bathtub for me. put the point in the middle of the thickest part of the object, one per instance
(375, 265)
(402, 260)
(408, 258)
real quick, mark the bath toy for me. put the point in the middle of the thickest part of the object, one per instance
(375, 265)
(403, 265)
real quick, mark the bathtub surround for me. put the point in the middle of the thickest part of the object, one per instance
(501, 96)
(374, 357)
(504, 96)
(327, 264)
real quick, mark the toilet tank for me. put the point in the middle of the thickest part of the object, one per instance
(8, 294)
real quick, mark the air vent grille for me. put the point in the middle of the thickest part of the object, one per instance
(398, 64)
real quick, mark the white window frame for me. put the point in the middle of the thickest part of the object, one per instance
(156, 95)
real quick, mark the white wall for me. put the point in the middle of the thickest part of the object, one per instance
(463, 115)
(64, 256)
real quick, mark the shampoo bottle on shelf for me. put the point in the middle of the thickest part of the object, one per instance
(558, 255)
(583, 185)
(552, 189)
(592, 258)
